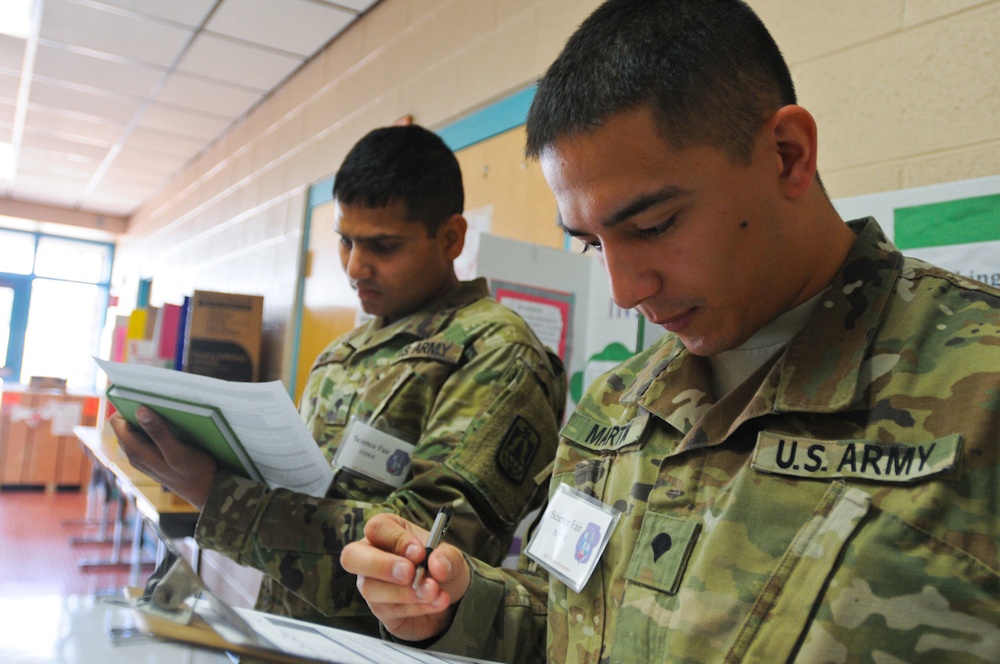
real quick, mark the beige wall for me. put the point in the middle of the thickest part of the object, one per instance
(905, 93)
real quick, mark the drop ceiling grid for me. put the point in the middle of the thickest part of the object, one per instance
(125, 92)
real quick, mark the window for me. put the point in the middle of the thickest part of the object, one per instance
(53, 304)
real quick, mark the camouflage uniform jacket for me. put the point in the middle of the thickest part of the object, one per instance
(465, 380)
(841, 505)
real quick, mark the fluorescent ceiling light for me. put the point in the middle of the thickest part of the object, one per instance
(15, 17)
(6, 161)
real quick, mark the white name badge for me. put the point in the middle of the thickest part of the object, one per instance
(572, 535)
(375, 454)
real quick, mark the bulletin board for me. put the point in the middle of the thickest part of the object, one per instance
(327, 305)
(495, 173)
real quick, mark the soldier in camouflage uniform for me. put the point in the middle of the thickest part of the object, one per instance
(441, 366)
(807, 467)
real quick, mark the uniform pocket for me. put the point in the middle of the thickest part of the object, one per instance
(908, 596)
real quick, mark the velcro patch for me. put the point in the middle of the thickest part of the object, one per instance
(600, 436)
(518, 449)
(442, 351)
(782, 454)
(662, 551)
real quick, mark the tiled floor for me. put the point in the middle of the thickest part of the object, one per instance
(36, 557)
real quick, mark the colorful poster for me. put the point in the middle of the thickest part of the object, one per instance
(547, 312)
(961, 235)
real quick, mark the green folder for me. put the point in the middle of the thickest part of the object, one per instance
(193, 423)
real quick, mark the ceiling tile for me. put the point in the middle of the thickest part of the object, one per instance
(115, 108)
(182, 122)
(9, 84)
(157, 141)
(123, 35)
(295, 26)
(11, 53)
(50, 189)
(121, 174)
(57, 164)
(228, 61)
(133, 79)
(160, 164)
(62, 148)
(188, 12)
(207, 96)
(72, 125)
(7, 113)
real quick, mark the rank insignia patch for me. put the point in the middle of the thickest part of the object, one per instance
(518, 449)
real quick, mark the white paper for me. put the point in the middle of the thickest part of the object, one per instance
(335, 645)
(261, 415)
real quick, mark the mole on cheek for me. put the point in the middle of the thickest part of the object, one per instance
(744, 224)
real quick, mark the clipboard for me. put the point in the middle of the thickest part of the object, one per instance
(175, 605)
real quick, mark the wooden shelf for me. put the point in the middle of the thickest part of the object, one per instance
(37, 445)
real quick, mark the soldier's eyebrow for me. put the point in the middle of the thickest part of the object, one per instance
(633, 207)
(379, 237)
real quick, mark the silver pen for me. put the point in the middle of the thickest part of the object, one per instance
(438, 530)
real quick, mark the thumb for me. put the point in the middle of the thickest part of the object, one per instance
(392, 533)
(151, 423)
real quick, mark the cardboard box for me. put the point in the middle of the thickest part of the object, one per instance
(223, 335)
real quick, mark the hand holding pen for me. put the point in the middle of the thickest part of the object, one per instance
(384, 562)
(438, 529)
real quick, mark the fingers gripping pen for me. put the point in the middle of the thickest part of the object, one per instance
(438, 530)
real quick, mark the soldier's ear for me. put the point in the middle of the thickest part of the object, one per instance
(452, 236)
(792, 130)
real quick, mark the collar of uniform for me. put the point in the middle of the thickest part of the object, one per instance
(427, 321)
(819, 371)
(822, 366)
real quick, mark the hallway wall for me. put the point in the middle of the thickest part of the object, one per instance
(904, 92)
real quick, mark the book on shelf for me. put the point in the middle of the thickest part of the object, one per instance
(252, 429)
(166, 332)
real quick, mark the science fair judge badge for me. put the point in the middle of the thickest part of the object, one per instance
(374, 454)
(571, 536)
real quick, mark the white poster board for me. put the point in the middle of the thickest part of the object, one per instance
(955, 225)
(539, 281)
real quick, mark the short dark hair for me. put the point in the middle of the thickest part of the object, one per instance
(709, 69)
(403, 163)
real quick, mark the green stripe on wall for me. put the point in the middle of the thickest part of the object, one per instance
(967, 220)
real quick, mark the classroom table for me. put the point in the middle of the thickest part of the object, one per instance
(171, 514)
(80, 629)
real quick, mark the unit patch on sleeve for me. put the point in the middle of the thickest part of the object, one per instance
(517, 450)
(783, 454)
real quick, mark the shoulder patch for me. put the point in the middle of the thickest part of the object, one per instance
(809, 458)
(518, 449)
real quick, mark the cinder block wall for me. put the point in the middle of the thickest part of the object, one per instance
(905, 93)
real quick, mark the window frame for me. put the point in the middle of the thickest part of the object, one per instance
(10, 371)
